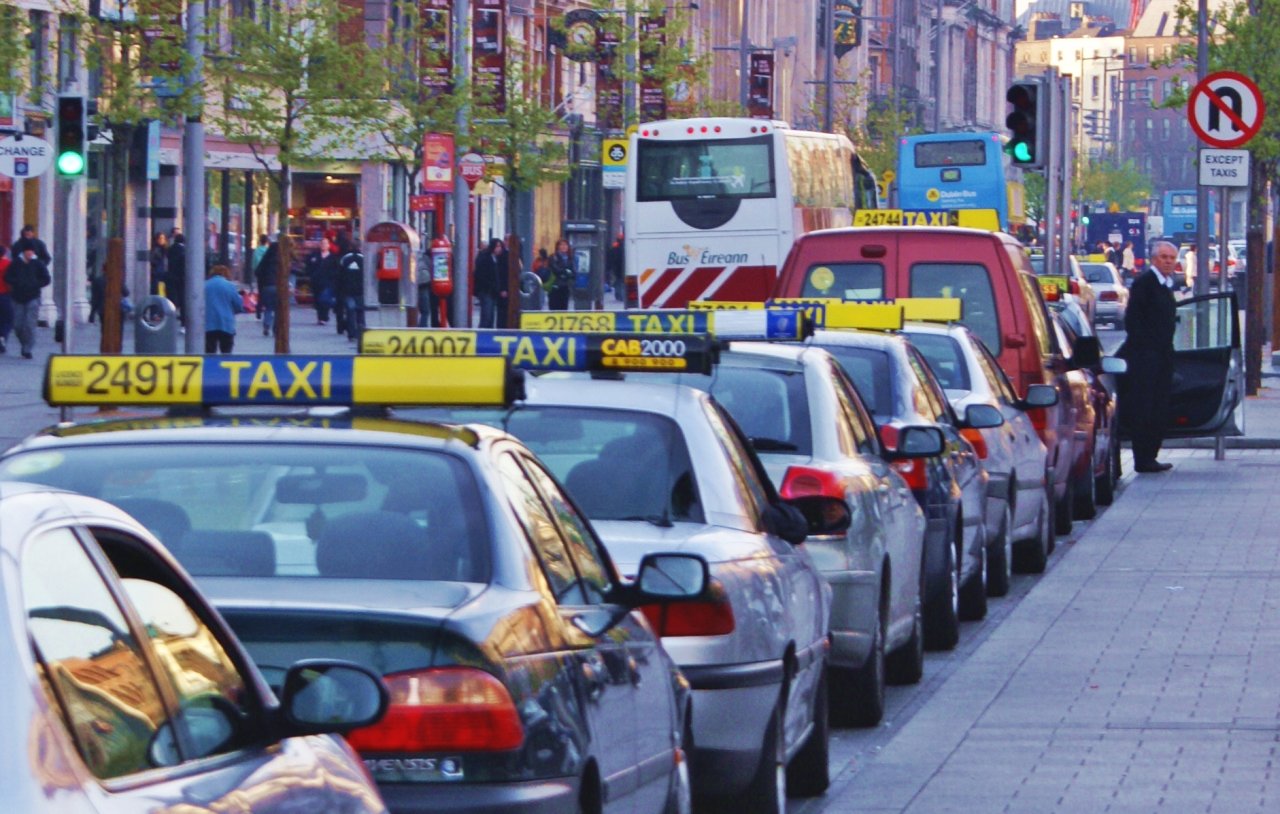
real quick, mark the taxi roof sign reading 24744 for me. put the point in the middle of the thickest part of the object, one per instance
(312, 381)
(545, 350)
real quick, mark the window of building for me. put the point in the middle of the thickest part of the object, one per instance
(1151, 54)
(1133, 53)
(37, 44)
(1166, 129)
(1166, 89)
(1151, 91)
(1096, 86)
(68, 52)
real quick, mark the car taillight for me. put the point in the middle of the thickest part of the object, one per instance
(974, 437)
(1108, 296)
(803, 481)
(1177, 266)
(1073, 287)
(713, 617)
(633, 292)
(445, 709)
(914, 471)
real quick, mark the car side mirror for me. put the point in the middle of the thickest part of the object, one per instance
(825, 515)
(982, 417)
(323, 695)
(914, 441)
(1040, 395)
(1015, 341)
(1114, 364)
(667, 577)
(786, 521)
(1087, 352)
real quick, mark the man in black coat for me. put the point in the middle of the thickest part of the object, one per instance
(1149, 323)
(177, 267)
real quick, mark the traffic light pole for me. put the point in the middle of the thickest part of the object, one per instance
(1061, 99)
(193, 188)
(1052, 178)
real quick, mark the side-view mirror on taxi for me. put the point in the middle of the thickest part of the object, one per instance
(1040, 395)
(785, 519)
(324, 695)
(672, 577)
(1086, 353)
(826, 516)
(1114, 364)
(911, 441)
(982, 417)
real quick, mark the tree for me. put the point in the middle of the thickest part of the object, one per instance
(13, 49)
(1121, 185)
(293, 90)
(1037, 191)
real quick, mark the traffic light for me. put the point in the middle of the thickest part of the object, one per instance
(70, 160)
(1026, 145)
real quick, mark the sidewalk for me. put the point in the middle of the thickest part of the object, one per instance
(1139, 675)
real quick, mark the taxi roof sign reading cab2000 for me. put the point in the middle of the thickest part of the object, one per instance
(312, 381)
(769, 323)
(546, 350)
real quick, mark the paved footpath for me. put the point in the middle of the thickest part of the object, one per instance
(1141, 674)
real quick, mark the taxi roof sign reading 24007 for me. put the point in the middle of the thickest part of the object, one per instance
(546, 350)
(313, 381)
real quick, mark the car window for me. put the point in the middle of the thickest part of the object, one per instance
(1205, 324)
(1066, 338)
(928, 402)
(287, 509)
(1097, 273)
(583, 548)
(853, 414)
(91, 665)
(868, 368)
(945, 359)
(996, 380)
(970, 282)
(1037, 314)
(541, 531)
(846, 281)
(748, 475)
(616, 464)
(771, 406)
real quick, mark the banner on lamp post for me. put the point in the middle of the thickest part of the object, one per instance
(609, 92)
(760, 98)
(489, 54)
(653, 96)
(435, 62)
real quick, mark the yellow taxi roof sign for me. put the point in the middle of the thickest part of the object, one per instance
(776, 323)
(984, 219)
(724, 305)
(931, 309)
(307, 381)
(885, 315)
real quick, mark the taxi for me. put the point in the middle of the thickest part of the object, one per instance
(447, 559)
(125, 691)
(661, 466)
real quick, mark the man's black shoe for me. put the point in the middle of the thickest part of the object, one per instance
(1153, 466)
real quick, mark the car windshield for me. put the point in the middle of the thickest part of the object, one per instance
(286, 510)
(945, 359)
(771, 406)
(870, 371)
(1096, 273)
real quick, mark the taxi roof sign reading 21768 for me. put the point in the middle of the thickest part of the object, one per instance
(313, 381)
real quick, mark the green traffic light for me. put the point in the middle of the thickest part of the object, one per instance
(70, 163)
(1085, 220)
(1021, 151)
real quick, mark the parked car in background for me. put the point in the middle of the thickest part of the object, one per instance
(1019, 487)
(1112, 294)
(125, 692)
(1078, 287)
(1180, 274)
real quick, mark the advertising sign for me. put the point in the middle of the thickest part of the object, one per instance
(609, 95)
(488, 57)
(760, 99)
(436, 65)
(437, 162)
(653, 96)
(8, 117)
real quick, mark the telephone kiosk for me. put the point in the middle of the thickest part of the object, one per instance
(392, 247)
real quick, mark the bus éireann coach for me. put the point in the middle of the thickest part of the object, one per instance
(943, 171)
(713, 205)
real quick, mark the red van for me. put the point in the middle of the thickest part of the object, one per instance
(989, 271)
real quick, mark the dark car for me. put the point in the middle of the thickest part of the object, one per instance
(446, 559)
(126, 692)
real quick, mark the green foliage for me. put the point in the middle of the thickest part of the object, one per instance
(13, 49)
(1037, 192)
(1123, 184)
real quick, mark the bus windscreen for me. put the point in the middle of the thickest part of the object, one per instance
(722, 168)
(951, 153)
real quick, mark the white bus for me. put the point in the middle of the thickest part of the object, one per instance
(714, 204)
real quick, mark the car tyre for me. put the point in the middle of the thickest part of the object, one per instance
(680, 798)
(767, 792)
(1032, 556)
(942, 613)
(906, 664)
(1063, 513)
(809, 773)
(1106, 483)
(1086, 495)
(859, 696)
(1000, 556)
(973, 593)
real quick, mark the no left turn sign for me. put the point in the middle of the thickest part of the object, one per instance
(1226, 109)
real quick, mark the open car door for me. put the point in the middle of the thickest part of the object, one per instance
(1208, 371)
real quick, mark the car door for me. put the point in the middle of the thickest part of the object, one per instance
(1208, 375)
(594, 661)
(645, 667)
(143, 677)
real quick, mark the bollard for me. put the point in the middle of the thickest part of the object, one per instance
(155, 326)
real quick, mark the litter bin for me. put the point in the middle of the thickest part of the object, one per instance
(531, 293)
(155, 326)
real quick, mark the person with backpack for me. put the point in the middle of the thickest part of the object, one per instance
(26, 276)
(351, 290)
(268, 294)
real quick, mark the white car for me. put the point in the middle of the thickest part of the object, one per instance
(1112, 295)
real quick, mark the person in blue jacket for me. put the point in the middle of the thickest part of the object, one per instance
(222, 301)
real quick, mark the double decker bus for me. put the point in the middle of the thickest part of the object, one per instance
(948, 171)
(1179, 208)
(713, 205)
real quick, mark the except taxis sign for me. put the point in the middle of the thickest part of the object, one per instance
(298, 380)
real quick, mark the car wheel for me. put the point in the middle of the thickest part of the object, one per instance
(1031, 556)
(1000, 556)
(767, 793)
(1063, 513)
(859, 694)
(1086, 503)
(810, 771)
(680, 798)
(1106, 483)
(973, 593)
(942, 613)
(906, 664)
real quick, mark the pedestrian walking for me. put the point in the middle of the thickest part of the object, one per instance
(98, 296)
(322, 272)
(1190, 268)
(351, 286)
(158, 258)
(264, 274)
(258, 251)
(26, 276)
(222, 301)
(1149, 323)
(178, 273)
(6, 301)
(27, 239)
(491, 284)
(562, 271)
(1128, 261)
